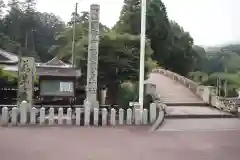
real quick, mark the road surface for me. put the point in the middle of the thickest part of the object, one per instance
(121, 143)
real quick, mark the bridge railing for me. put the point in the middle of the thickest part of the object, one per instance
(206, 93)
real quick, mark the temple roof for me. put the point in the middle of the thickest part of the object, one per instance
(55, 63)
(54, 67)
(12, 58)
(7, 57)
(59, 72)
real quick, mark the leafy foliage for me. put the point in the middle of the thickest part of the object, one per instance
(218, 63)
(118, 59)
(167, 39)
(25, 30)
(8, 76)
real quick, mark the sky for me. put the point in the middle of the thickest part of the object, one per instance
(210, 22)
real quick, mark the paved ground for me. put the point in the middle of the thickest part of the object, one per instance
(126, 143)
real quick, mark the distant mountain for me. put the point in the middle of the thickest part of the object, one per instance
(213, 49)
(223, 48)
(233, 48)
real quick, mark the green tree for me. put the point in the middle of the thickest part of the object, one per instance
(29, 23)
(80, 18)
(64, 38)
(167, 39)
(13, 22)
(25, 27)
(118, 60)
(48, 26)
(159, 31)
(182, 51)
(130, 17)
(2, 6)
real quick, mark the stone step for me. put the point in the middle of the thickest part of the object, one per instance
(196, 112)
(204, 124)
(186, 104)
(176, 99)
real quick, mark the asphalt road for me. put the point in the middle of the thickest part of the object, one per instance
(121, 143)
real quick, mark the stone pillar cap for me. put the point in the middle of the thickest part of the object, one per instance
(24, 101)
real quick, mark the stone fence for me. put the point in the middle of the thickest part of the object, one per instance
(13, 116)
(206, 93)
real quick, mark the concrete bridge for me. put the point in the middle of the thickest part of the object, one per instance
(185, 98)
(191, 107)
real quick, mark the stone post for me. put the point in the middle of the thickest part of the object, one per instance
(27, 71)
(129, 116)
(104, 116)
(153, 112)
(92, 67)
(24, 106)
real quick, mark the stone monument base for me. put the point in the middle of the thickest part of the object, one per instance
(91, 104)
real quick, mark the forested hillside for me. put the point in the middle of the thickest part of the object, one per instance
(219, 62)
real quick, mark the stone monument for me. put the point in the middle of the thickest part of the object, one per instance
(92, 67)
(26, 72)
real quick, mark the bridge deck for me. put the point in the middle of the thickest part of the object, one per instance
(171, 91)
(181, 101)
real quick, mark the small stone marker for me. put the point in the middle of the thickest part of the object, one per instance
(153, 112)
(87, 113)
(113, 117)
(51, 116)
(60, 116)
(78, 116)
(137, 116)
(42, 116)
(145, 116)
(23, 112)
(95, 116)
(14, 115)
(121, 116)
(69, 116)
(104, 116)
(33, 115)
(129, 116)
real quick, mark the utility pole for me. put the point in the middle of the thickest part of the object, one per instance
(26, 39)
(218, 82)
(225, 84)
(142, 53)
(73, 41)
